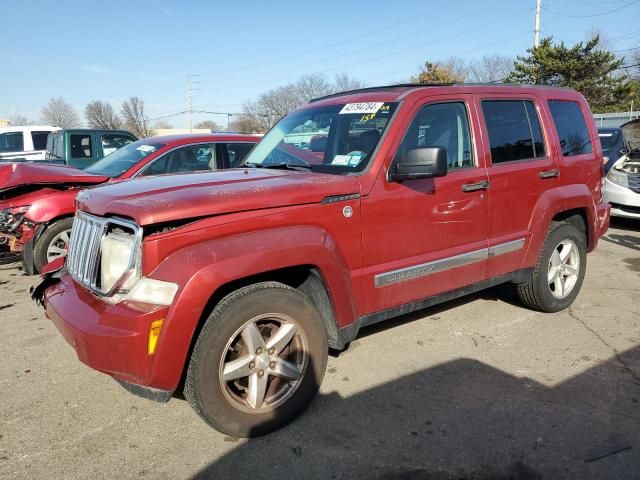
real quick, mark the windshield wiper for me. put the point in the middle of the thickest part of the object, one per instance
(281, 166)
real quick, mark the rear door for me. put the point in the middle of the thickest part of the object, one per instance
(428, 236)
(521, 168)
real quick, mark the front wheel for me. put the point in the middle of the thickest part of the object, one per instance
(258, 361)
(53, 243)
(559, 271)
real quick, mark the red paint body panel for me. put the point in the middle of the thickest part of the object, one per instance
(247, 222)
(191, 195)
(17, 174)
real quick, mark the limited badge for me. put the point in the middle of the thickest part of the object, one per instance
(347, 211)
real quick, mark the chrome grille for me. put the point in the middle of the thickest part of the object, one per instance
(85, 247)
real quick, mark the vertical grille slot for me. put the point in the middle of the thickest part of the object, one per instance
(85, 247)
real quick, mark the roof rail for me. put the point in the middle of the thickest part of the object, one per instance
(381, 87)
(418, 85)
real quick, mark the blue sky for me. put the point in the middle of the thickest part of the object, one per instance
(87, 49)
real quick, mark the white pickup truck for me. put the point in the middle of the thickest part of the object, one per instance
(28, 143)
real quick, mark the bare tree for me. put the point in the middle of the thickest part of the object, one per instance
(313, 86)
(19, 121)
(101, 115)
(246, 124)
(343, 82)
(490, 68)
(60, 113)
(135, 118)
(208, 124)
(261, 114)
(162, 124)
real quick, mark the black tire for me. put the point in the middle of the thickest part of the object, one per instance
(204, 389)
(42, 245)
(536, 293)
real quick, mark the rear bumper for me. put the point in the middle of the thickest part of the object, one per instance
(110, 338)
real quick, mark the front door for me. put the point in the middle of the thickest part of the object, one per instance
(428, 236)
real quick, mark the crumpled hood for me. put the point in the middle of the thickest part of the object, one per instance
(166, 198)
(631, 132)
(15, 175)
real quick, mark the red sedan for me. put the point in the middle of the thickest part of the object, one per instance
(37, 200)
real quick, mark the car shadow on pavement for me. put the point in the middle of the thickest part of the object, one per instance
(460, 420)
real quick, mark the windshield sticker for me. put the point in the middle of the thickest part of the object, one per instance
(369, 107)
(146, 148)
(341, 160)
(356, 158)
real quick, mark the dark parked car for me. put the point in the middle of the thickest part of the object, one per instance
(83, 147)
(614, 145)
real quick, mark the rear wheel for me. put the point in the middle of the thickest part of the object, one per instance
(559, 272)
(53, 243)
(258, 361)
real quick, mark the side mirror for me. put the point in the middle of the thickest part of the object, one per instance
(426, 162)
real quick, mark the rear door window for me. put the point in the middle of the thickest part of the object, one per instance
(514, 130)
(571, 126)
(236, 152)
(39, 140)
(11, 142)
(193, 158)
(80, 146)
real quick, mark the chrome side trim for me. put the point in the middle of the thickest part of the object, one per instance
(507, 247)
(424, 269)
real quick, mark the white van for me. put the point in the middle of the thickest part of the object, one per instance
(28, 143)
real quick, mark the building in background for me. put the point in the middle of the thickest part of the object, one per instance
(614, 120)
(4, 122)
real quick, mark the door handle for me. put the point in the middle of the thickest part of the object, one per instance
(549, 173)
(472, 187)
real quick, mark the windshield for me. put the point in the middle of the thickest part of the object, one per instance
(332, 139)
(118, 162)
(608, 139)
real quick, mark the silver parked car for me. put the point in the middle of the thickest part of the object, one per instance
(622, 183)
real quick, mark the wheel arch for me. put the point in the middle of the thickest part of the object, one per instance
(307, 263)
(571, 203)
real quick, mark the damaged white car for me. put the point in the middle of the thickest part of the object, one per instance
(622, 183)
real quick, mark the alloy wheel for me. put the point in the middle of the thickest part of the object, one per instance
(564, 266)
(264, 363)
(58, 246)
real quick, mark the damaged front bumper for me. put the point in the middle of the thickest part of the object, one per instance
(15, 229)
(112, 339)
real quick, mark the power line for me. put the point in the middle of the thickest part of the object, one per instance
(596, 14)
(326, 47)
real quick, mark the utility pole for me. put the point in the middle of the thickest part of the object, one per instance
(189, 101)
(536, 32)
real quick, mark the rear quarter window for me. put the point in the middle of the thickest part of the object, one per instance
(571, 127)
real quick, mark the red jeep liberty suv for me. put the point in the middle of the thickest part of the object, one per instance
(353, 209)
